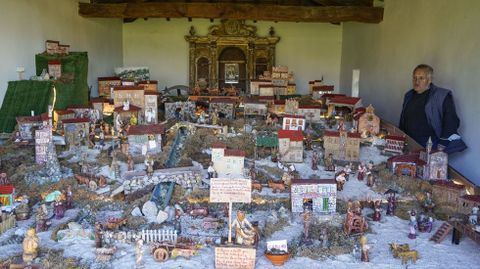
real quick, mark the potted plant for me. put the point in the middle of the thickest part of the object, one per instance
(277, 257)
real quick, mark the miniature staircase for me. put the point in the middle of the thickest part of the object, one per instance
(441, 232)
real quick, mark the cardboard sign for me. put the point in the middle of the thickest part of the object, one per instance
(234, 258)
(226, 190)
(277, 244)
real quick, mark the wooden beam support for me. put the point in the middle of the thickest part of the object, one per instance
(237, 11)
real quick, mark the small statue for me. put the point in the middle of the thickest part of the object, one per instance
(211, 171)
(30, 246)
(149, 163)
(365, 247)
(413, 225)
(69, 195)
(362, 169)
(4, 179)
(315, 161)
(328, 162)
(340, 179)
(133, 120)
(253, 173)
(370, 179)
(18, 137)
(245, 233)
(306, 223)
(428, 204)
(58, 208)
(202, 118)
(91, 137)
(214, 117)
(126, 105)
(473, 218)
(98, 235)
(131, 164)
(139, 254)
(377, 211)
(308, 142)
(324, 238)
(274, 156)
(348, 171)
(392, 204)
(102, 138)
(41, 218)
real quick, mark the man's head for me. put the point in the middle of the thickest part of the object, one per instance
(422, 77)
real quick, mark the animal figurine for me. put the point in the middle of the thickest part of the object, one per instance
(199, 212)
(276, 186)
(256, 185)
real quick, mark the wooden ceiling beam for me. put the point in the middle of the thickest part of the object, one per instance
(238, 11)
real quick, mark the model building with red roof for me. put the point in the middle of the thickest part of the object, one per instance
(290, 145)
(342, 145)
(227, 161)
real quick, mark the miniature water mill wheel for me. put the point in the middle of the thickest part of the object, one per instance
(160, 254)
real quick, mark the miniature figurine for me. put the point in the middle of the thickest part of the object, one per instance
(328, 162)
(98, 235)
(392, 204)
(340, 178)
(4, 179)
(413, 225)
(202, 118)
(214, 117)
(91, 137)
(429, 225)
(324, 238)
(211, 171)
(69, 195)
(149, 163)
(473, 218)
(131, 164)
(58, 208)
(348, 171)
(245, 233)
(362, 169)
(30, 246)
(377, 211)
(150, 116)
(370, 179)
(428, 204)
(271, 120)
(102, 138)
(139, 254)
(133, 120)
(365, 247)
(308, 142)
(18, 137)
(41, 218)
(126, 105)
(274, 156)
(306, 223)
(314, 161)
(253, 173)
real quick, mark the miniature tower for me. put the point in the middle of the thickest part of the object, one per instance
(429, 150)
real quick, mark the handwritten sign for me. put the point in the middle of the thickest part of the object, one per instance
(277, 244)
(234, 258)
(226, 190)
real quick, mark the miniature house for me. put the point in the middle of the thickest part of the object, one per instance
(291, 88)
(151, 107)
(76, 131)
(125, 114)
(312, 113)
(135, 95)
(266, 90)
(325, 98)
(278, 107)
(343, 105)
(467, 202)
(342, 145)
(445, 192)
(407, 165)
(106, 85)
(293, 122)
(51, 46)
(183, 109)
(255, 85)
(436, 167)
(59, 116)
(7, 195)
(290, 146)
(145, 135)
(253, 107)
(81, 111)
(394, 143)
(27, 125)
(227, 161)
(55, 69)
(319, 90)
(63, 49)
(368, 122)
(102, 106)
(149, 85)
(320, 195)
(225, 107)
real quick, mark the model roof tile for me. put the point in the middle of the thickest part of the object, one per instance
(323, 88)
(7, 189)
(219, 146)
(234, 153)
(293, 135)
(344, 100)
(337, 134)
(78, 120)
(395, 137)
(128, 88)
(64, 112)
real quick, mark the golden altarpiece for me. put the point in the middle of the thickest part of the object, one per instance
(231, 54)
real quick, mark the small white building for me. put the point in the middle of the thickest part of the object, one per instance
(227, 161)
(319, 195)
(293, 122)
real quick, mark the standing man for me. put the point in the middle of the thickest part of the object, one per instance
(429, 111)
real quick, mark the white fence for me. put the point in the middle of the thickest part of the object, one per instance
(163, 235)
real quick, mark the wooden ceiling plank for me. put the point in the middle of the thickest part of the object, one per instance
(238, 11)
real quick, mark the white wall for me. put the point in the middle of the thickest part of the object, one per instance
(310, 50)
(441, 33)
(26, 24)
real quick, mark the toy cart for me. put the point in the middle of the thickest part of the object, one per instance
(162, 251)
